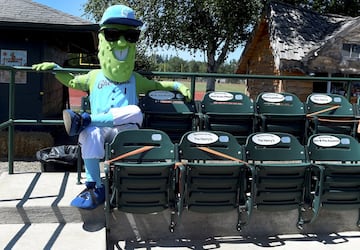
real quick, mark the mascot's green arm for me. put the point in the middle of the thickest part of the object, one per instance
(144, 85)
(80, 82)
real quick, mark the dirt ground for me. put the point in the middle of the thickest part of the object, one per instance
(21, 166)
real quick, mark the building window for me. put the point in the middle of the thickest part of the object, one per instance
(335, 87)
(320, 87)
(351, 50)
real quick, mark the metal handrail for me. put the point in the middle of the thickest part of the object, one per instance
(11, 122)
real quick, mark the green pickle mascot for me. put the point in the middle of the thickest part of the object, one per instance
(114, 90)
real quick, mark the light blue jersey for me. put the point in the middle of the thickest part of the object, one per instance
(106, 94)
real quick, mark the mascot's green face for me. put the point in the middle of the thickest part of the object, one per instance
(117, 49)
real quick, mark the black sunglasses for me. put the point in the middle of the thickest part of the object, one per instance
(112, 35)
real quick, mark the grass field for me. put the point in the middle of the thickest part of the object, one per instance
(201, 86)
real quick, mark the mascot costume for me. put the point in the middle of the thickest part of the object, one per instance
(114, 90)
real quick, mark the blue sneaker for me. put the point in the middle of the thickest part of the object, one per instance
(90, 198)
(74, 122)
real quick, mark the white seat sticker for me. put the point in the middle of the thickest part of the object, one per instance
(273, 97)
(202, 137)
(221, 96)
(266, 139)
(320, 99)
(161, 95)
(326, 141)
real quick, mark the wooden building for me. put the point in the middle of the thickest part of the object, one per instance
(33, 33)
(292, 41)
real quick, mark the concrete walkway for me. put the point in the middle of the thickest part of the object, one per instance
(266, 230)
(35, 214)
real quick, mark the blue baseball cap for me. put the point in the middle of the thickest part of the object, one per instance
(120, 14)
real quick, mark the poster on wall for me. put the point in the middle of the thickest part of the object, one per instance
(13, 58)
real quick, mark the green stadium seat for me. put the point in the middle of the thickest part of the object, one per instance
(282, 173)
(140, 173)
(330, 113)
(281, 112)
(336, 162)
(232, 112)
(168, 111)
(216, 175)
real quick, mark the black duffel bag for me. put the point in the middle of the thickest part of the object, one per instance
(59, 158)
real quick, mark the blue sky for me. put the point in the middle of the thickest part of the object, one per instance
(75, 7)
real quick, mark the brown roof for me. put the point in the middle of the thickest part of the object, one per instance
(294, 32)
(37, 21)
(27, 11)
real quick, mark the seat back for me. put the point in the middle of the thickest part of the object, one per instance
(334, 148)
(168, 111)
(232, 112)
(281, 171)
(143, 182)
(319, 102)
(280, 112)
(279, 104)
(330, 113)
(336, 160)
(274, 146)
(216, 176)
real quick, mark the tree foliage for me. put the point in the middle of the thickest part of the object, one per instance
(216, 27)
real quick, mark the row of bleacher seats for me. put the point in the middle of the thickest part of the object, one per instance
(211, 172)
(236, 113)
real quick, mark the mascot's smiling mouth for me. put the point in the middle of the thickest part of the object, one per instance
(121, 55)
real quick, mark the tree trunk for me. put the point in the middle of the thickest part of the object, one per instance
(211, 68)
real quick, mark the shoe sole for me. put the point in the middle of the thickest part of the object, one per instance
(67, 121)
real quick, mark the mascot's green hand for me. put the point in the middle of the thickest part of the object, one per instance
(63, 77)
(185, 91)
(45, 66)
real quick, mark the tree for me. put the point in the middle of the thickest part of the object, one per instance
(216, 27)
(143, 62)
(228, 67)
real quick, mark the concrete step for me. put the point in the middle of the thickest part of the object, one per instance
(41, 198)
(332, 230)
(50, 236)
(35, 213)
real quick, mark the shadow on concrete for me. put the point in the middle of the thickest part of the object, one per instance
(212, 231)
(240, 242)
